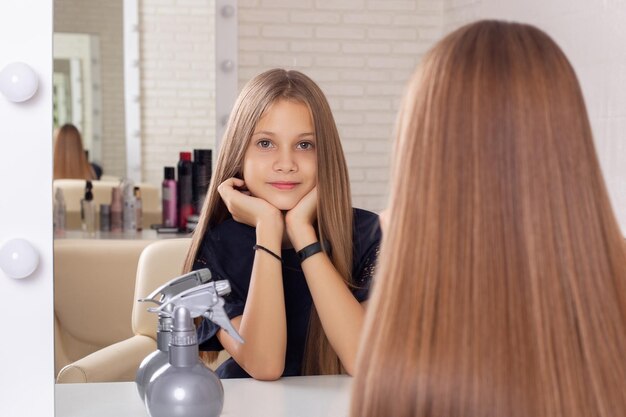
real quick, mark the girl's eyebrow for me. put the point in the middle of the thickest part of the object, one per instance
(263, 132)
(268, 133)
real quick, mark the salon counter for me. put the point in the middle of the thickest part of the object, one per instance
(294, 396)
(145, 234)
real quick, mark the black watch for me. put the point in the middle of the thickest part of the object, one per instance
(312, 249)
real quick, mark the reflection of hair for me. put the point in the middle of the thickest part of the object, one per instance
(501, 286)
(334, 214)
(70, 160)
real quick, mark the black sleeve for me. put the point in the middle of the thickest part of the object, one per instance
(367, 239)
(208, 256)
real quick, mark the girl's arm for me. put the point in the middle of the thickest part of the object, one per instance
(263, 325)
(340, 313)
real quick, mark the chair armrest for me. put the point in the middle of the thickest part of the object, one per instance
(114, 363)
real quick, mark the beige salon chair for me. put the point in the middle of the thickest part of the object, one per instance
(159, 262)
(94, 285)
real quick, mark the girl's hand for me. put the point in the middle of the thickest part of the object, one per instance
(300, 219)
(243, 207)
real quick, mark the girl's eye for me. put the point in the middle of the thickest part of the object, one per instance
(305, 146)
(264, 143)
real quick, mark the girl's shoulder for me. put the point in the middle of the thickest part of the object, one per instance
(366, 226)
(226, 244)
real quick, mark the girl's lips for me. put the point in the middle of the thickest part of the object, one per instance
(284, 185)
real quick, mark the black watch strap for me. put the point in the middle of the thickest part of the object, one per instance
(312, 249)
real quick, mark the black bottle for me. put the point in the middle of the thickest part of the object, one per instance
(202, 167)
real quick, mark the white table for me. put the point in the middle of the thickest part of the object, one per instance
(309, 396)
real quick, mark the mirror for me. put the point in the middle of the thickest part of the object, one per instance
(361, 58)
(135, 112)
(90, 83)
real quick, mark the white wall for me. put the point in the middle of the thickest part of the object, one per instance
(26, 357)
(593, 36)
(177, 81)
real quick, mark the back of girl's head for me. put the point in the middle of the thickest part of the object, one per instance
(69, 155)
(501, 285)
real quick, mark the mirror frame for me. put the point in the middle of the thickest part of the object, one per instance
(28, 359)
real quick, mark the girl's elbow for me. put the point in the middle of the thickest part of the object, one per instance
(267, 372)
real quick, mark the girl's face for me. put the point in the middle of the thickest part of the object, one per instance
(280, 164)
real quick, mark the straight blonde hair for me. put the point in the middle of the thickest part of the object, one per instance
(501, 288)
(70, 160)
(334, 206)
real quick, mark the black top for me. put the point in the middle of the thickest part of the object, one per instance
(227, 251)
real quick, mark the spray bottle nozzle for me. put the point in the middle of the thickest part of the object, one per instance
(178, 285)
(204, 300)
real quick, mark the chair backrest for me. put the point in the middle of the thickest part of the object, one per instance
(159, 262)
(94, 280)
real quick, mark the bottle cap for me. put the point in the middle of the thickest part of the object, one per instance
(169, 173)
(202, 156)
(88, 193)
(185, 156)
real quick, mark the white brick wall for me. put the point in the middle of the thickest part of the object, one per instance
(593, 36)
(178, 81)
(360, 52)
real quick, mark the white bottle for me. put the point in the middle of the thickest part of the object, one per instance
(59, 212)
(129, 215)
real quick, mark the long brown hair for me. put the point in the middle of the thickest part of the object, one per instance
(334, 206)
(70, 160)
(501, 287)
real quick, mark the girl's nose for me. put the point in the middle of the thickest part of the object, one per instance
(285, 162)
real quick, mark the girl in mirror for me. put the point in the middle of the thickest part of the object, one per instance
(503, 265)
(70, 160)
(279, 225)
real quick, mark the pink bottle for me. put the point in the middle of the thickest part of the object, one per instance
(169, 198)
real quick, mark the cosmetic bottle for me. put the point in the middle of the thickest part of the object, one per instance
(117, 208)
(59, 212)
(163, 294)
(105, 217)
(88, 211)
(184, 386)
(138, 208)
(169, 201)
(185, 190)
(201, 176)
(129, 215)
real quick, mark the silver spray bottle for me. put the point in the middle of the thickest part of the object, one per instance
(161, 295)
(184, 387)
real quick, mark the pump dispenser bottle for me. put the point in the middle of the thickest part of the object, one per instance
(88, 211)
(185, 386)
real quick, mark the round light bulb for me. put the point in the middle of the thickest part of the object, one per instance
(18, 82)
(18, 258)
